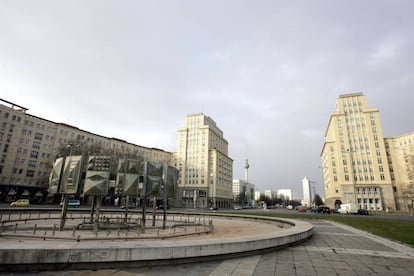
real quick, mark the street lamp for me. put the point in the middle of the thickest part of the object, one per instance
(314, 192)
(211, 188)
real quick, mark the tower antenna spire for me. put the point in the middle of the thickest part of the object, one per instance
(246, 167)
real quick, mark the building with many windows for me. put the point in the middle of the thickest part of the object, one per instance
(359, 165)
(29, 145)
(206, 170)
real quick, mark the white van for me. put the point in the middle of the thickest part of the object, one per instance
(348, 208)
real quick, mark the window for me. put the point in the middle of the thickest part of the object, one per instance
(30, 173)
(38, 136)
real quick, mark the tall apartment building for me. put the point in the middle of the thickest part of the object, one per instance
(29, 145)
(359, 165)
(206, 170)
(400, 152)
(307, 196)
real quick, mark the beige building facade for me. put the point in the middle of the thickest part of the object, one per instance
(400, 151)
(358, 163)
(206, 170)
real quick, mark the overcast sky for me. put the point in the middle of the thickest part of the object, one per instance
(268, 72)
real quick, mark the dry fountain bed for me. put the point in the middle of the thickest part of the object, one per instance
(178, 227)
(33, 242)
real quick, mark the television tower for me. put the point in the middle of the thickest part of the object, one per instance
(246, 170)
(246, 167)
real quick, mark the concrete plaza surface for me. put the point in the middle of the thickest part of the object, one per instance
(334, 249)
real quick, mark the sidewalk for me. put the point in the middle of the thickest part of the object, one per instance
(335, 249)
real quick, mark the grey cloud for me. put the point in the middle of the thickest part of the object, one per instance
(268, 72)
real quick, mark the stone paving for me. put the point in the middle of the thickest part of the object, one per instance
(335, 249)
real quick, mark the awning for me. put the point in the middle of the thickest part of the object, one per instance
(26, 193)
(39, 194)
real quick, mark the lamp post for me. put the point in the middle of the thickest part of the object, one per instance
(211, 189)
(314, 192)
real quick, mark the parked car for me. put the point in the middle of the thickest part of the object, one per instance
(20, 203)
(363, 212)
(213, 208)
(302, 209)
(161, 207)
(334, 211)
(323, 210)
(348, 208)
(131, 205)
(72, 203)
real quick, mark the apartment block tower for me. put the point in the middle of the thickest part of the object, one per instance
(206, 170)
(354, 157)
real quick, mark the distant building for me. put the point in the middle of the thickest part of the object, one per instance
(269, 194)
(285, 194)
(206, 170)
(360, 166)
(243, 193)
(307, 199)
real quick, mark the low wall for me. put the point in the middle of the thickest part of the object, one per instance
(34, 255)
